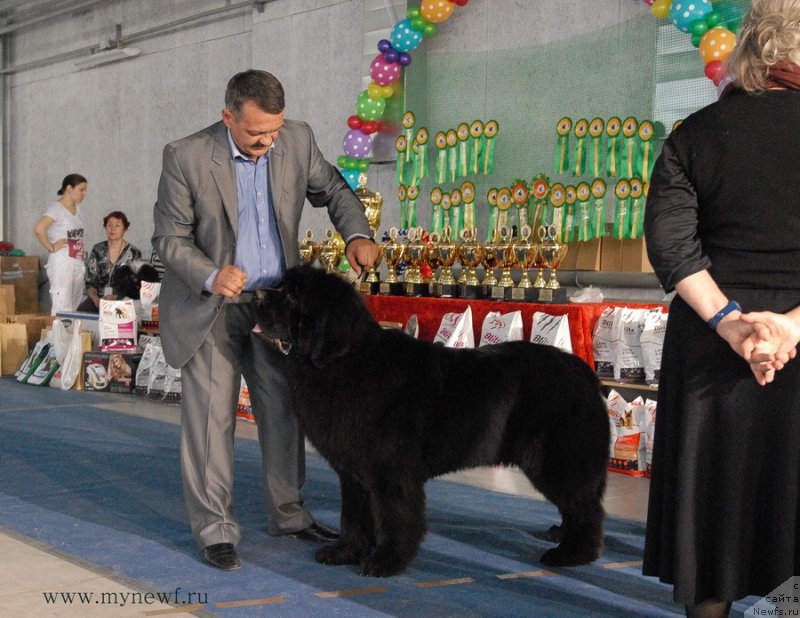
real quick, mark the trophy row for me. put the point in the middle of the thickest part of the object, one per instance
(429, 264)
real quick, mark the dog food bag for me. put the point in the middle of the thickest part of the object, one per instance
(498, 328)
(629, 447)
(172, 385)
(46, 369)
(652, 340)
(627, 348)
(117, 326)
(157, 377)
(615, 404)
(455, 330)
(149, 357)
(551, 330)
(37, 355)
(603, 343)
(649, 431)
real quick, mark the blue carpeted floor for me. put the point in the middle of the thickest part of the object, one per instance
(104, 487)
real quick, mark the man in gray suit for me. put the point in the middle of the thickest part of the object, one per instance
(226, 223)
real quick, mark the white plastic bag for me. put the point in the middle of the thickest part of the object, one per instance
(498, 328)
(551, 330)
(70, 364)
(455, 330)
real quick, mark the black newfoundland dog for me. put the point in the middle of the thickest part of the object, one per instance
(389, 412)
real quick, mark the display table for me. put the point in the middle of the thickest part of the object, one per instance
(429, 312)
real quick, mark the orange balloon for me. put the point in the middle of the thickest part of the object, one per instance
(436, 11)
(660, 8)
(716, 44)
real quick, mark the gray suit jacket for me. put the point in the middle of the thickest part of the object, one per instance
(196, 220)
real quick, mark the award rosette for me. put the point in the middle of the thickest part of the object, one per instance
(468, 196)
(402, 195)
(456, 212)
(420, 149)
(462, 133)
(558, 197)
(408, 121)
(504, 203)
(568, 213)
(599, 192)
(401, 146)
(491, 199)
(637, 208)
(613, 127)
(540, 189)
(440, 141)
(585, 214)
(596, 154)
(520, 196)
(490, 131)
(622, 191)
(446, 214)
(452, 155)
(628, 157)
(563, 129)
(413, 193)
(475, 146)
(581, 129)
(437, 217)
(644, 155)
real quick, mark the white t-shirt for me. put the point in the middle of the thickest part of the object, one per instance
(66, 225)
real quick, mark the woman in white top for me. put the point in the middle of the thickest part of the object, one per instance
(60, 230)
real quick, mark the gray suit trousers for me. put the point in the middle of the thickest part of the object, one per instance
(210, 384)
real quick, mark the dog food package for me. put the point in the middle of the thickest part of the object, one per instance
(117, 325)
(46, 369)
(630, 444)
(149, 357)
(455, 330)
(172, 385)
(498, 328)
(157, 377)
(652, 341)
(551, 330)
(30, 364)
(627, 348)
(244, 409)
(650, 432)
(603, 343)
(615, 404)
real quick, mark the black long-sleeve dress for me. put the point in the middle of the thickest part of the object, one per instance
(724, 514)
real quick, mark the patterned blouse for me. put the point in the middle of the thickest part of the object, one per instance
(99, 267)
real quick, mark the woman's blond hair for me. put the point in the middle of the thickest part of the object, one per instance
(770, 32)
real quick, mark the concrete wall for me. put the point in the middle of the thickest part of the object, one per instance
(111, 122)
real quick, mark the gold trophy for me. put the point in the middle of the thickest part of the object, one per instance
(552, 253)
(393, 254)
(371, 284)
(309, 250)
(526, 252)
(471, 255)
(331, 251)
(447, 252)
(506, 259)
(416, 252)
(491, 260)
(372, 204)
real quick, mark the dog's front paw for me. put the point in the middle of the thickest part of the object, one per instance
(340, 552)
(558, 557)
(382, 563)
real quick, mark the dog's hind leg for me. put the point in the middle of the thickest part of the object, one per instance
(399, 511)
(358, 529)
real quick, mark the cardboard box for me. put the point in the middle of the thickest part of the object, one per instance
(110, 371)
(628, 255)
(13, 347)
(23, 273)
(582, 256)
(8, 302)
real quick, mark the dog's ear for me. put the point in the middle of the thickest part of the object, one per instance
(331, 339)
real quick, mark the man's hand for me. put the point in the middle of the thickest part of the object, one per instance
(361, 253)
(229, 281)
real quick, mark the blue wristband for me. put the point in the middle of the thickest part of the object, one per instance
(731, 306)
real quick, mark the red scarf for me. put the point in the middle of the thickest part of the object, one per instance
(784, 74)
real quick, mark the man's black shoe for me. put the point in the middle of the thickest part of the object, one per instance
(223, 556)
(315, 532)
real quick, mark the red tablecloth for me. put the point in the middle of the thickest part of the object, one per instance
(429, 312)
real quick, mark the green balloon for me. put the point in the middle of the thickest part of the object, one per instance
(699, 27)
(363, 165)
(368, 108)
(429, 30)
(342, 162)
(418, 24)
(352, 164)
(713, 18)
(413, 11)
(696, 38)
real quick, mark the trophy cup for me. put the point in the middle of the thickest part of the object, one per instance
(331, 251)
(526, 252)
(471, 255)
(371, 284)
(447, 252)
(309, 250)
(506, 259)
(416, 251)
(552, 252)
(393, 254)
(372, 204)
(490, 262)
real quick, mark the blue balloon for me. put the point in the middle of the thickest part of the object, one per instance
(404, 37)
(683, 12)
(351, 176)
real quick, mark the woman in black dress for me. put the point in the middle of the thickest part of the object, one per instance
(723, 229)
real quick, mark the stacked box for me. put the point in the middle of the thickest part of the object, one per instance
(113, 372)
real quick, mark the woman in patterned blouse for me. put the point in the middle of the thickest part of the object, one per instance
(105, 257)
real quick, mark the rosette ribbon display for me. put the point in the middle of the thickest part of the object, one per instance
(622, 191)
(628, 155)
(568, 213)
(520, 196)
(596, 153)
(581, 129)
(585, 223)
(599, 192)
(613, 127)
(468, 198)
(563, 129)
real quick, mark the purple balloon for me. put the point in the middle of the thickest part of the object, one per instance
(357, 144)
(384, 45)
(404, 59)
(391, 56)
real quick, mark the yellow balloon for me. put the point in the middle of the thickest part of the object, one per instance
(661, 8)
(387, 92)
(436, 11)
(716, 44)
(374, 90)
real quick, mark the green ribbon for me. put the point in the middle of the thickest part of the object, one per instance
(488, 155)
(567, 221)
(412, 214)
(475, 155)
(463, 158)
(457, 219)
(580, 163)
(437, 219)
(562, 154)
(452, 159)
(441, 166)
(493, 210)
(612, 156)
(585, 223)
(621, 220)
(596, 155)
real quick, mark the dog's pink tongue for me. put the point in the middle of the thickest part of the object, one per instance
(256, 329)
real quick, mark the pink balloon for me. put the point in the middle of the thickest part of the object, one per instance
(384, 73)
(648, 2)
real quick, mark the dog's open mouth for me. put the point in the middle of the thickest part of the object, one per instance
(283, 345)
